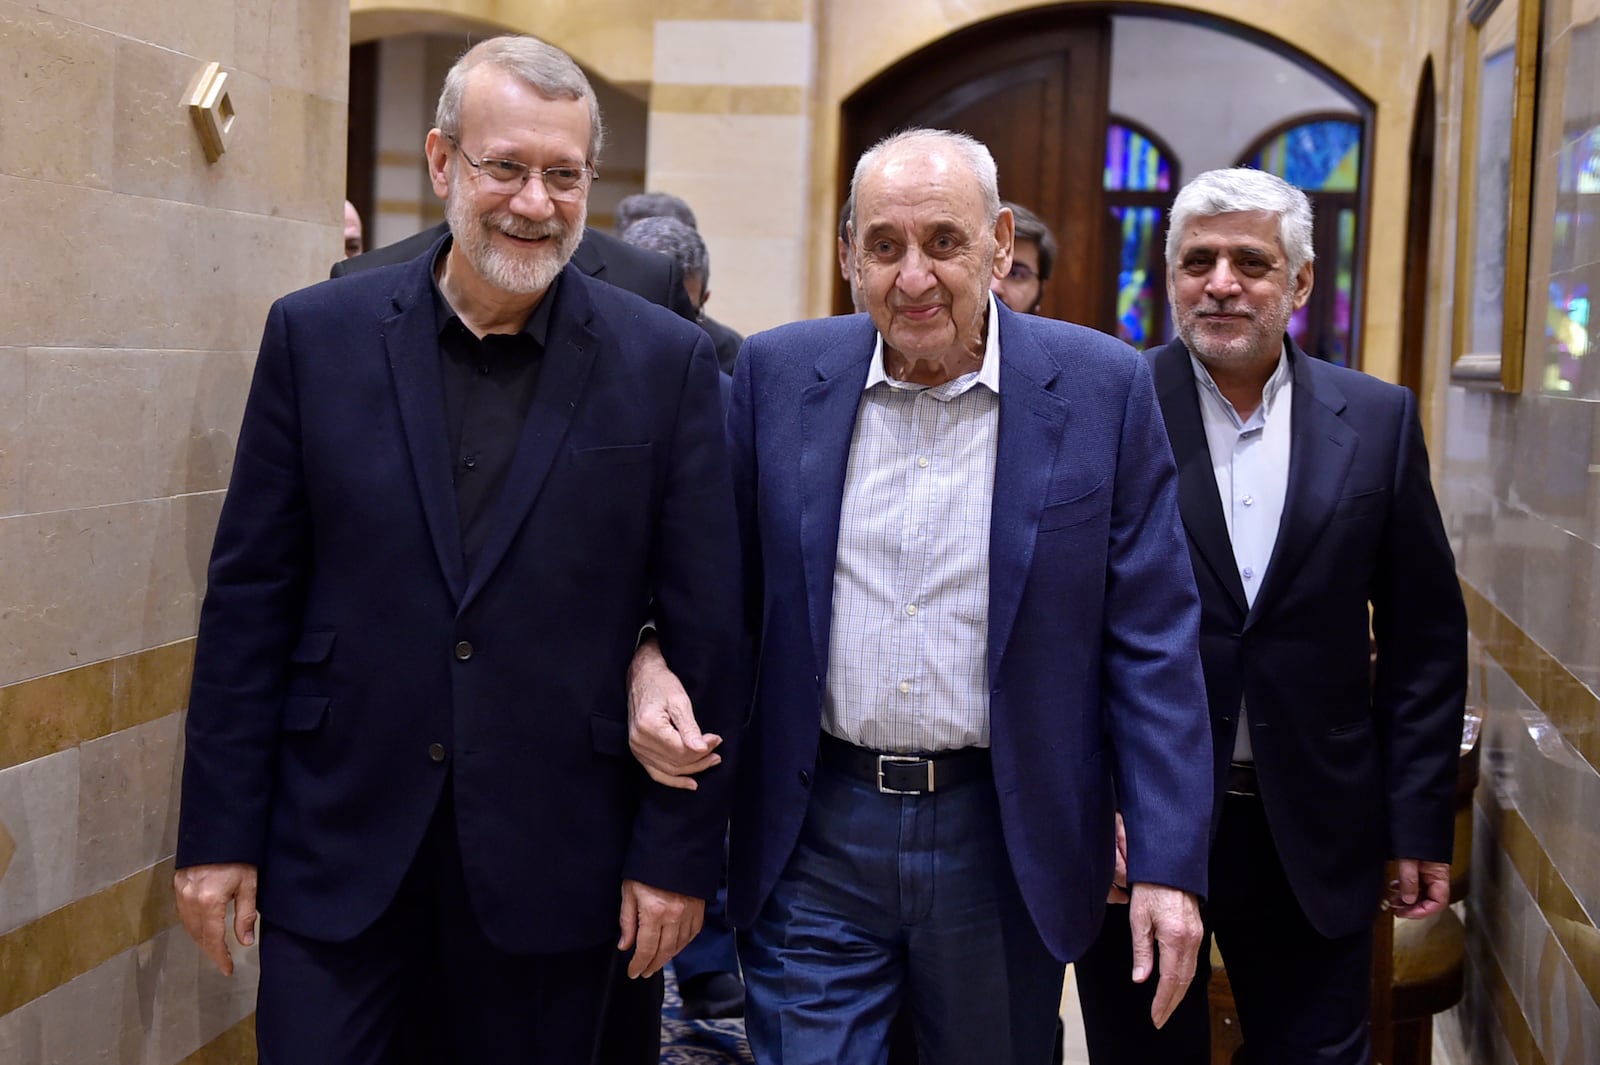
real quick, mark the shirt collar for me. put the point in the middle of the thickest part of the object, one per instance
(987, 375)
(536, 328)
(1269, 392)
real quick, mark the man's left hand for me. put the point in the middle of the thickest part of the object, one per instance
(1421, 889)
(656, 924)
(1166, 926)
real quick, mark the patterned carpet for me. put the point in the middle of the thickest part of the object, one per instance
(699, 1042)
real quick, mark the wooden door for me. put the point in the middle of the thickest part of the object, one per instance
(1034, 89)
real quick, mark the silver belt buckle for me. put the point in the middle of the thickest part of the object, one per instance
(903, 759)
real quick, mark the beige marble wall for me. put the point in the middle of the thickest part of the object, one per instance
(136, 278)
(1516, 476)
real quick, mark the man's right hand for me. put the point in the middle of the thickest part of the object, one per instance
(1118, 895)
(204, 892)
(662, 731)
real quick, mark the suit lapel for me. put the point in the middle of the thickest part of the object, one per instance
(827, 426)
(1321, 447)
(1198, 501)
(412, 339)
(588, 258)
(1026, 446)
(569, 355)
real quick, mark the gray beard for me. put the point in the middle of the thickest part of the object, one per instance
(523, 275)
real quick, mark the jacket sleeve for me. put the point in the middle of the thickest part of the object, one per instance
(255, 594)
(1420, 625)
(1155, 697)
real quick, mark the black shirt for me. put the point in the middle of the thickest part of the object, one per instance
(488, 390)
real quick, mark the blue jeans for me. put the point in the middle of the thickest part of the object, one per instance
(888, 897)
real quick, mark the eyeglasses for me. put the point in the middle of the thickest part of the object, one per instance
(509, 176)
(1021, 272)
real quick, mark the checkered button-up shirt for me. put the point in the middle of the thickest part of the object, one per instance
(908, 644)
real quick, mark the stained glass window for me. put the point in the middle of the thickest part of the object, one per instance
(1569, 367)
(1140, 176)
(1322, 156)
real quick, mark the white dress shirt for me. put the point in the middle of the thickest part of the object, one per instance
(1250, 460)
(908, 643)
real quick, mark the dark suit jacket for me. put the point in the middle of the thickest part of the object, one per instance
(1351, 772)
(645, 273)
(727, 341)
(347, 659)
(1092, 620)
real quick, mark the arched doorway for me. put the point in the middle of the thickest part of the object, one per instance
(1041, 87)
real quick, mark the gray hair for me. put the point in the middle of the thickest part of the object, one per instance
(1031, 227)
(970, 150)
(541, 66)
(675, 240)
(642, 205)
(1243, 189)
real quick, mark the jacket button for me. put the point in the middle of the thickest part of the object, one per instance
(805, 779)
(463, 651)
(436, 752)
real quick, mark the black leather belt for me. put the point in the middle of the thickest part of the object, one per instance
(1242, 779)
(905, 774)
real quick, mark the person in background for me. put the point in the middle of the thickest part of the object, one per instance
(683, 244)
(653, 205)
(353, 245)
(1315, 538)
(1022, 289)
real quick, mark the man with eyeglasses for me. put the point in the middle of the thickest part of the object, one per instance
(461, 483)
(1033, 257)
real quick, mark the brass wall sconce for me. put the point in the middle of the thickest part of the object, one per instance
(212, 110)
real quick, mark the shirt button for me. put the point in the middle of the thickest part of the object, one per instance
(436, 752)
(805, 779)
(463, 651)
(922, 462)
(905, 687)
(1249, 500)
(1249, 573)
(469, 461)
(911, 610)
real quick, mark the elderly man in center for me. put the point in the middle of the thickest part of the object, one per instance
(972, 613)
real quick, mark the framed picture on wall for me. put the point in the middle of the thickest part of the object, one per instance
(1500, 92)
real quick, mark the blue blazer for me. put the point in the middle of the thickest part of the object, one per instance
(1093, 669)
(1355, 766)
(347, 657)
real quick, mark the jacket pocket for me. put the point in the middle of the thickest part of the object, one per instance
(1075, 511)
(609, 736)
(315, 646)
(617, 455)
(304, 713)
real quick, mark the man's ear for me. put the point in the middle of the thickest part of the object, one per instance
(437, 149)
(1005, 238)
(1302, 284)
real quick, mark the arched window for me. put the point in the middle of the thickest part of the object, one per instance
(1321, 154)
(1140, 178)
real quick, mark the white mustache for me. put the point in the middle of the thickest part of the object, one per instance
(527, 230)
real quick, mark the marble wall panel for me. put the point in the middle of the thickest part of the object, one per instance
(728, 52)
(91, 427)
(752, 145)
(157, 151)
(295, 44)
(57, 90)
(94, 583)
(127, 808)
(758, 285)
(202, 30)
(736, 205)
(14, 444)
(39, 808)
(307, 138)
(198, 409)
(151, 1005)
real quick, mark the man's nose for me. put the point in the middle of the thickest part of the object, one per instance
(533, 199)
(1222, 279)
(916, 272)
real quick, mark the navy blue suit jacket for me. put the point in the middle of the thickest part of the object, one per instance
(1093, 618)
(342, 636)
(1354, 767)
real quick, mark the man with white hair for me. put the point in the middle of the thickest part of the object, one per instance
(1308, 510)
(462, 482)
(964, 576)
